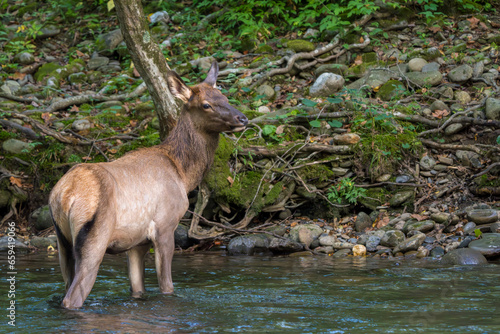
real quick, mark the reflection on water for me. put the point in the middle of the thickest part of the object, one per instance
(216, 293)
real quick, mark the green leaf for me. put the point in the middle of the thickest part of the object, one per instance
(498, 140)
(309, 103)
(245, 89)
(315, 123)
(406, 146)
(335, 124)
(478, 232)
(268, 129)
(334, 100)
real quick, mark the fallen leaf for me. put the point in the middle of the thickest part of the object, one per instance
(484, 26)
(86, 158)
(473, 22)
(80, 54)
(361, 40)
(46, 117)
(280, 129)
(440, 113)
(133, 123)
(231, 181)
(419, 217)
(17, 76)
(435, 29)
(16, 181)
(74, 109)
(358, 60)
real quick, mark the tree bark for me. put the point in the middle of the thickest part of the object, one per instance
(148, 60)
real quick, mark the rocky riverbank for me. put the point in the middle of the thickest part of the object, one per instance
(380, 141)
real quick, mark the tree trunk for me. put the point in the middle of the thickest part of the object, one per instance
(148, 60)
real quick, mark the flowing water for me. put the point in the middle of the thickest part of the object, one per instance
(221, 294)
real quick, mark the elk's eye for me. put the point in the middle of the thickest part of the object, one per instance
(206, 106)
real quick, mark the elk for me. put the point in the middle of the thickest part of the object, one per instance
(137, 201)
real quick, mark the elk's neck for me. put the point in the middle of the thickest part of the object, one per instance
(191, 150)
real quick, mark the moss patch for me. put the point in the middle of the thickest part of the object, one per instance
(300, 45)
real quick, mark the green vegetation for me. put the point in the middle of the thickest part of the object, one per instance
(345, 191)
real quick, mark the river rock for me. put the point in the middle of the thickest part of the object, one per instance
(488, 245)
(267, 91)
(24, 58)
(453, 129)
(460, 73)
(410, 244)
(482, 216)
(357, 250)
(97, 61)
(47, 31)
(16, 146)
(81, 125)
(433, 78)
(249, 244)
(346, 139)
(344, 252)
(43, 218)
(44, 242)
(416, 64)
(438, 105)
(20, 246)
(431, 67)
(437, 251)
(440, 217)
(107, 43)
(469, 227)
(493, 109)
(11, 87)
(285, 246)
(392, 238)
(372, 243)
(495, 227)
(462, 97)
(401, 197)
(314, 231)
(464, 256)
(363, 221)
(181, 236)
(427, 162)
(339, 69)
(327, 240)
(326, 84)
(468, 158)
(478, 69)
(421, 226)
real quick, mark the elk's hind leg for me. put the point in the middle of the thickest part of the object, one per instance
(89, 249)
(136, 257)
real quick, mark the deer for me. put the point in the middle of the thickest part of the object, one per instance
(136, 202)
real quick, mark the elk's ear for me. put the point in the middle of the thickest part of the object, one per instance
(211, 78)
(177, 87)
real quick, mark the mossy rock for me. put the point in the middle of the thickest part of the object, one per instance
(315, 174)
(369, 57)
(264, 49)
(242, 192)
(300, 45)
(47, 70)
(374, 197)
(390, 90)
(248, 44)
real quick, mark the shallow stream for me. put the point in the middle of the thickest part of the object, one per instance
(222, 294)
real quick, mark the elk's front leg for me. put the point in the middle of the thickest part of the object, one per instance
(164, 251)
(136, 269)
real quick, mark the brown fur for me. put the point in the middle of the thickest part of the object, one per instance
(135, 201)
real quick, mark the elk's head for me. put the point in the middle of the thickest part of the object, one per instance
(208, 107)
